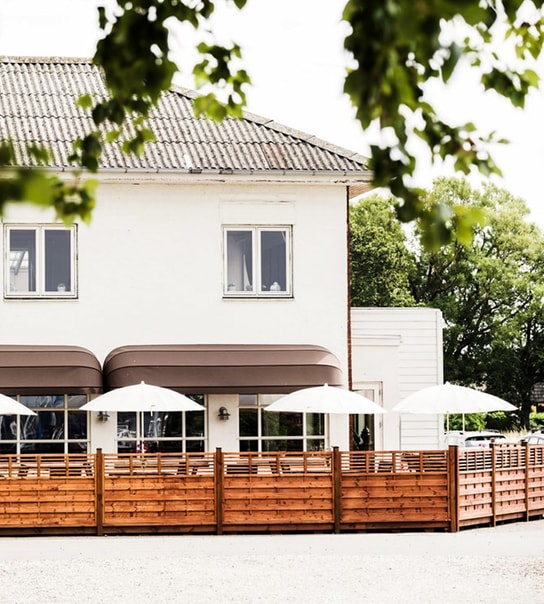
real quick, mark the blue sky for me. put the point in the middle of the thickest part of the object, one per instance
(293, 51)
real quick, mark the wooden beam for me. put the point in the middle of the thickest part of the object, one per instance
(219, 471)
(99, 491)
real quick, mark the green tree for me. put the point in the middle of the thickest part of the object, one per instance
(397, 46)
(380, 263)
(491, 295)
(515, 366)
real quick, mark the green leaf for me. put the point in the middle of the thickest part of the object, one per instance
(85, 101)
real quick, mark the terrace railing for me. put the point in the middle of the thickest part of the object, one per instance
(220, 492)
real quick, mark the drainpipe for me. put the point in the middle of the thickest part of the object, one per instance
(350, 377)
(348, 323)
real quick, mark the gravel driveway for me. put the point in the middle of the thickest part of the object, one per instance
(495, 565)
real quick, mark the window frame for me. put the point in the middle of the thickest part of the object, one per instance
(41, 292)
(257, 290)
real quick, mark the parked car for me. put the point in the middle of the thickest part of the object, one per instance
(534, 438)
(477, 438)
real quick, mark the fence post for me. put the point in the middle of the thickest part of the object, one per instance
(493, 483)
(99, 491)
(453, 487)
(525, 450)
(219, 472)
(337, 488)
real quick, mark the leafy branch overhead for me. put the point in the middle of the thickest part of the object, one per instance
(397, 46)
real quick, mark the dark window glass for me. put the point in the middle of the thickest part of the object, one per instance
(249, 422)
(249, 446)
(58, 256)
(282, 424)
(273, 261)
(239, 261)
(315, 424)
(22, 260)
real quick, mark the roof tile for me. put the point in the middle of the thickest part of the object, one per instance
(38, 105)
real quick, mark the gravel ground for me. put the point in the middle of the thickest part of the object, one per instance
(495, 565)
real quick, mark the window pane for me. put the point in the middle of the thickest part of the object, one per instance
(249, 446)
(271, 424)
(43, 401)
(273, 261)
(22, 260)
(249, 422)
(282, 424)
(167, 446)
(152, 424)
(46, 425)
(239, 261)
(194, 446)
(126, 432)
(8, 432)
(282, 445)
(248, 400)
(315, 424)
(172, 424)
(77, 447)
(77, 425)
(316, 445)
(194, 423)
(57, 260)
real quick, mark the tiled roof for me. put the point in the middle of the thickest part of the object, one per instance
(37, 105)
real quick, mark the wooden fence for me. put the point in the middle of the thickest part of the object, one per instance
(270, 492)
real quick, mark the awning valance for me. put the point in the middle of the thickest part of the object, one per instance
(223, 369)
(28, 370)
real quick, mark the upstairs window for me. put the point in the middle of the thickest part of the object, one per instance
(258, 261)
(40, 262)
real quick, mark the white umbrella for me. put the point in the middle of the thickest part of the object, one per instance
(142, 397)
(325, 399)
(9, 406)
(449, 398)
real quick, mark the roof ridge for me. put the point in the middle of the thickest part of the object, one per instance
(48, 59)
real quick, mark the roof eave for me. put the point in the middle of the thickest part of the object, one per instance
(333, 177)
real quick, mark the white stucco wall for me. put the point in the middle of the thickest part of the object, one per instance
(150, 271)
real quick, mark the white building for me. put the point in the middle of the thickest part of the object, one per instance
(395, 352)
(215, 264)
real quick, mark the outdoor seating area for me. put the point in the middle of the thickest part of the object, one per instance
(222, 492)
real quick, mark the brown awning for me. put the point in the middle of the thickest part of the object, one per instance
(223, 369)
(31, 370)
